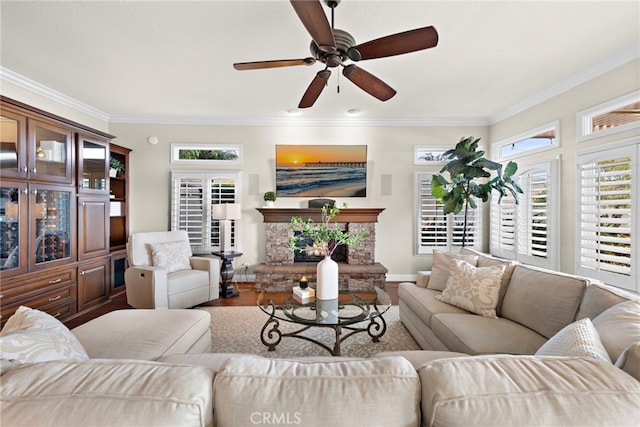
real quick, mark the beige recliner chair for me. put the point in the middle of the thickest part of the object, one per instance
(163, 273)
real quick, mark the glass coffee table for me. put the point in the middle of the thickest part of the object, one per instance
(351, 313)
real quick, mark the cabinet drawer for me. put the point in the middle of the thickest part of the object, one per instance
(62, 299)
(29, 289)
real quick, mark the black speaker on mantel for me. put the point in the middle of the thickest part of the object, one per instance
(318, 203)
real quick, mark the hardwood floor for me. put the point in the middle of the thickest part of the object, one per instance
(248, 296)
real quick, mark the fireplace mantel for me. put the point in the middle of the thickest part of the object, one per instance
(346, 215)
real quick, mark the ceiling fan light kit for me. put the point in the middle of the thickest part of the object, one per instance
(334, 47)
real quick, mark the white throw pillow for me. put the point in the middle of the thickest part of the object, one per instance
(579, 339)
(475, 289)
(442, 265)
(31, 336)
(619, 327)
(172, 256)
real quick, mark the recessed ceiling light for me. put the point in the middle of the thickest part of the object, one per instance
(354, 112)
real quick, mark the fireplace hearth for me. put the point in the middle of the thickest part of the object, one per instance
(282, 268)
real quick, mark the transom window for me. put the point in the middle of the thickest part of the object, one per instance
(614, 116)
(532, 141)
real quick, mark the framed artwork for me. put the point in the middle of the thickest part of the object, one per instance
(426, 155)
(321, 170)
(206, 153)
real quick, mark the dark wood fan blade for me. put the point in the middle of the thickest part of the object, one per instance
(273, 64)
(315, 89)
(368, 82)
(398, 44)
(316, 23)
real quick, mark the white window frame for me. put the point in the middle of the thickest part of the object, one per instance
(519, 215)
(554, 126)
(207, 239)
(450, 236)
(584, 118)
(626, 148)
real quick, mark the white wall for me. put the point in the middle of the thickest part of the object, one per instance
(390, 151)
(564, 107)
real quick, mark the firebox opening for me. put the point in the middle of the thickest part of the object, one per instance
(312, 255)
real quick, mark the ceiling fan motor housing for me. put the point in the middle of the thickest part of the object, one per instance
(344, 50)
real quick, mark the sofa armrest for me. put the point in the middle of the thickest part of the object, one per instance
(422, 278)
(212, 265)
(146, 287)
(527, 390)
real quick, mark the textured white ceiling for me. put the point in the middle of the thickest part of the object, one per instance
(174, 59)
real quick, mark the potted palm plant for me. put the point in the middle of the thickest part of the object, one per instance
(470, 180)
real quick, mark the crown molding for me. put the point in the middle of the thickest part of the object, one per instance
(590, 73)
(36, 88)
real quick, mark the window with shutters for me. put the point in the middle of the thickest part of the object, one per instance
(607, 224)
(192, 197)
(527, 231)
(434, 229)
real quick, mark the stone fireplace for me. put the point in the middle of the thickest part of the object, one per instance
(358, 272)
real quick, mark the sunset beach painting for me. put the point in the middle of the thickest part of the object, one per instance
(321, 170)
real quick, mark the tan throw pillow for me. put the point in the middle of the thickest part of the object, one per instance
(475, 289)
(31, 336)
(579, 339)
(172, 256)
(441, 266)
(619, 327)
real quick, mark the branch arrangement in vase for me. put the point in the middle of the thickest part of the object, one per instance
(326, 235)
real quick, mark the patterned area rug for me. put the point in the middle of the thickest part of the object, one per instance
(237, 330)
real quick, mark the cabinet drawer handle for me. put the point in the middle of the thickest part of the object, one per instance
(57, 314)
(53, 282)
(25, 169)
(56, 298)
(82, 273)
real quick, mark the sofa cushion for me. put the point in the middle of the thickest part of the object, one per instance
(107, 393)
(146, 334)
(471, 334)
(441, 266)
(485, 260)
(384, 391)
(422, 302)
(579, 339)
(172, 256)
(31, 336)
(619, 327)
(629, 360)
(527, 391)
(542, 300)
(419, 358)
(598, 297)
(475, 289)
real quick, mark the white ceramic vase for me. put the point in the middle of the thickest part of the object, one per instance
(327, 282)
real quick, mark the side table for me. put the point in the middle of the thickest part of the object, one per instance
(226, 273)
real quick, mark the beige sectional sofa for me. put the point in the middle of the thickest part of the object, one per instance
(150, 367)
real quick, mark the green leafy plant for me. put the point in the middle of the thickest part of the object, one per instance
(269, 196)
(117, 165)
(470, 179)
(326, 235)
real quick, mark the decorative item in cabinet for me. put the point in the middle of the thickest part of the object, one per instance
(93, 282)
(52, 292)
(13, 144)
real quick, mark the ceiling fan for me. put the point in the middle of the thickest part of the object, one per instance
(334, 47)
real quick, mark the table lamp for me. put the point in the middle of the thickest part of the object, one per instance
(225, 212)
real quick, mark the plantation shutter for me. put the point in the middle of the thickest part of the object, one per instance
(193, 194)
(434, 229)
(527, 231)
(606, 221)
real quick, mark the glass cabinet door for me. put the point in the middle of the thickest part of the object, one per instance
(51, 216)
(13, 219)
(92, 166)
(13, 154)
(51, 159)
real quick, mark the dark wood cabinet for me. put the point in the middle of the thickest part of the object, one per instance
(55, 206)
(119, 200)
(93, 282)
